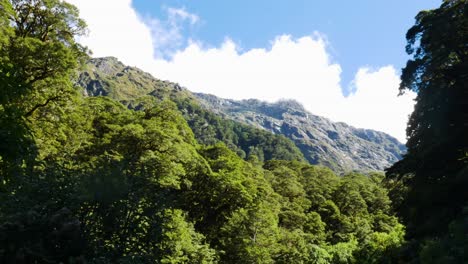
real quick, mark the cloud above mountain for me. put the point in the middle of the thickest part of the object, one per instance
(288, 67)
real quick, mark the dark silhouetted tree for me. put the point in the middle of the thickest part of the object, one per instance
(430, 182)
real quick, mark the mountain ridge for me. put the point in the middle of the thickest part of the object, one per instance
(289, 117)
(321, 141)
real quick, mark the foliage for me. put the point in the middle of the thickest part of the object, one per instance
(86, 179)
(428, 185)
(134, 88)
(244, 140)
(38, 54)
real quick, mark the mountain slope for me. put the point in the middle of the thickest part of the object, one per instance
(135, 88)
(249, 126)
(336, 145)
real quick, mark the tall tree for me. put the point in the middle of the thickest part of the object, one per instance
(41, 52)
(38, 55)
(433, 170)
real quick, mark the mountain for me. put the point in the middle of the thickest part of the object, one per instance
(109, 77)
(249, 126)
(334, 144)
(135, 88)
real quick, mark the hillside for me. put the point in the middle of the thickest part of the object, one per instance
(335, 145)
(135, 88)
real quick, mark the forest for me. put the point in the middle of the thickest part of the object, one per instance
(94, 180)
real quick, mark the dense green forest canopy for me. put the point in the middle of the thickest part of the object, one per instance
(92, 180)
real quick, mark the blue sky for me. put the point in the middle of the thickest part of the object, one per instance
(340, 59)
(360, 32)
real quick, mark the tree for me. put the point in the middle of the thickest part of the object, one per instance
(41, 53)
(437, 129)
(38, 55)
(180, 243)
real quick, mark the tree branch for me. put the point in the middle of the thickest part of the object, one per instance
(30, 112)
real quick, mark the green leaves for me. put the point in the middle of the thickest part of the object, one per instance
(180, 243)
(336, 217)
(38, 54)
(426, 184)
(88, 179)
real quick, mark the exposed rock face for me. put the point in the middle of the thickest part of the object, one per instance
(336, 145)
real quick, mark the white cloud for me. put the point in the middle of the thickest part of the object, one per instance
(299, 69)
(168, 34)
(375, 103)
(175, 13)
(116, 30)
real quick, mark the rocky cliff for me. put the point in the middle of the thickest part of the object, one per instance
(336, 145)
